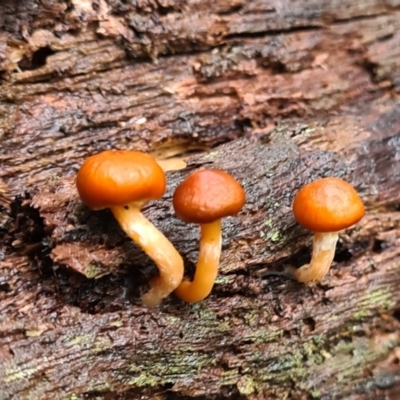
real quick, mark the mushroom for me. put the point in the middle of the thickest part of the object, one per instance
(325, 206)
(204, 198)
(125, 181)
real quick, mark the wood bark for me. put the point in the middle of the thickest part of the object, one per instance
(277, 93)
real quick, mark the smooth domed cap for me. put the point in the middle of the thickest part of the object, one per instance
(208, 195)
(327, 205)
(119, 177)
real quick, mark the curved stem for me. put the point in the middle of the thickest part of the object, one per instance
(324, 245)
(207, 265)
(156, 246)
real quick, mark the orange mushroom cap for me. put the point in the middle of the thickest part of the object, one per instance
(327, 205)
(118, 177)
(208, 195)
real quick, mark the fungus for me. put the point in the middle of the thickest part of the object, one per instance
(204, 198)
(125, 181)
(325, 206)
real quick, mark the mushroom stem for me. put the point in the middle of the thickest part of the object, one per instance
(207, 265)
(324, 245)
(156, 246)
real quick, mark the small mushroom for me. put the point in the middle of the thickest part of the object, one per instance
(125, 181)
(325, 206)
(204, 198)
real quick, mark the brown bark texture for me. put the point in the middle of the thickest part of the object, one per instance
(277, 93)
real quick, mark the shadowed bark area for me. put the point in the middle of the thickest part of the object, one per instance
(277, 93)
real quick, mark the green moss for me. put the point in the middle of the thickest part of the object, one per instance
(290, 361)
(172, 319)
(246, 385)
(313, 353)
(144, 380)
(315, 356)
(224, 280)
(281, 128)
(230, 377)
(54, 178)
(267, 364)
(265, 334)
(318, 340)
(12, 375)
(274, 236)
(251, 319)
(94, 271)
(306, 131)
(271, 234)
(362, 314)
(162, 370)
(315, 394)
(343, 347)
(82, 339)
(100, 387)
(101, 344)
(382, 299)
(268, 223)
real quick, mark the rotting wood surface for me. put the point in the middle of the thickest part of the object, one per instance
(299, 90)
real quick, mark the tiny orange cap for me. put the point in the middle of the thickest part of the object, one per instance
(119, 177)
(208, 195)
(327, 205)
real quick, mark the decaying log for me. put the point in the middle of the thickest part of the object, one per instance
(268, 173)
(252, 334)
(265, 230)
(86, 84)
(276, 92)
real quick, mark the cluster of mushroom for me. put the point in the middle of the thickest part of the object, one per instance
(125, 181)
